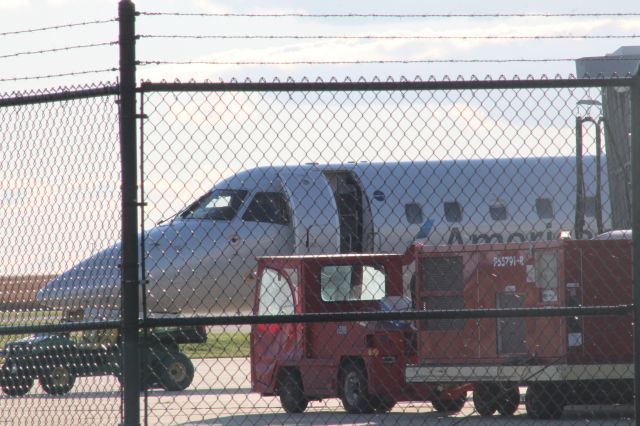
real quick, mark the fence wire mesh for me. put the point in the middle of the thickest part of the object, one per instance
(378, 254)
(59, 203)
(235, 177)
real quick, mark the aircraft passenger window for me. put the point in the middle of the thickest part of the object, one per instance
(544, 208)
(498, 211)
(590, 206)
(267, 207)
(452, 211)
(413, 211)
(221, 204)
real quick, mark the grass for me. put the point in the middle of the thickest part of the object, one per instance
(220, 345)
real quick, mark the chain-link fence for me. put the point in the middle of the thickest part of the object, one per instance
(319, 253)
(257, 199)
(487, 176)
(59, 204)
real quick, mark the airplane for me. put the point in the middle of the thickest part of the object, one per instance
(203, 259)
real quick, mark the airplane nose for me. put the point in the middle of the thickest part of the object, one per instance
(94, 282)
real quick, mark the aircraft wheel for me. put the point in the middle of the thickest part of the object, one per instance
(355, 390)
(57, 380)
(449, 405)
(176, 371)
(508, 400)
(291, 393)
(484, 399)
(14, 385)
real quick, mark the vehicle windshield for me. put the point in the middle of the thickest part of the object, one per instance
(220, 204)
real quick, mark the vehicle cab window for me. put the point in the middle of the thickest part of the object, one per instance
(275, 294)
(341, 283)
(267, 207)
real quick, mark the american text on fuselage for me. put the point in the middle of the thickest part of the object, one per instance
(456, 236)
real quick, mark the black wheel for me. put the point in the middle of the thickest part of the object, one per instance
(508, 400)
(143, 386)
(355, 390)
(15, 384)
(449, 405)
(382, 404)
(176, 371)
(57, 380)
(484, 399)
(543, 401)
(291, 393)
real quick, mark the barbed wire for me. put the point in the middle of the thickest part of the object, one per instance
(394, 15)
(385, 37)
(67, 74)
(365, 62)
(58, 27)
(58, 49)
(319, 37)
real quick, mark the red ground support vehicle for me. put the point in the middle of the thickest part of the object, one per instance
(562, 361)
(363, 363)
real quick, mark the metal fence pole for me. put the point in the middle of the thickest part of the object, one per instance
(128, 152)
(635, 221)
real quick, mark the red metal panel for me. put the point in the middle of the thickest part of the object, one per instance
(494, 273)
(600, 275)
(316, 350)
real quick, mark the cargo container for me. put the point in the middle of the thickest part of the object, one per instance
(561, 360)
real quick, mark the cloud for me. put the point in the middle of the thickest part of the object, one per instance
(14, 4)
(206, 6)
(245, 6)
(514, 38)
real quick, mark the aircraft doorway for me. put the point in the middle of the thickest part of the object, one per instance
(356, 224)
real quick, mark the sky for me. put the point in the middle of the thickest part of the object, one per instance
(19, 15)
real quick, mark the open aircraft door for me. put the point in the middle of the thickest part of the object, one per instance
(315, 220)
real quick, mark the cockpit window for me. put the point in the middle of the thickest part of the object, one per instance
(221, 204)
(267, 207)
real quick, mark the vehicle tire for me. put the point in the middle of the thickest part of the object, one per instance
(354, 389)
(15, 385)
(449, 405)
(57, 380)
(383, 405)
(291, 392)
(176, 371)
(508, 400)
(484, 399)
(542, 401)
(143, 385)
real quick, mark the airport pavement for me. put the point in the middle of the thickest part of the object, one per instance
(220, 395)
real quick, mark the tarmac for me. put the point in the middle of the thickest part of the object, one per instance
(221, 395)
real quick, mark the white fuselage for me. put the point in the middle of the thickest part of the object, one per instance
(204, 259)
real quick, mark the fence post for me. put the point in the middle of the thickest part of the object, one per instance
(635, 223)
(129, 269)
